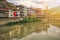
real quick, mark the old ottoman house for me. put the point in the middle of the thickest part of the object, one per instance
(8, 9)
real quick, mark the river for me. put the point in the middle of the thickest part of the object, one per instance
(52, 33)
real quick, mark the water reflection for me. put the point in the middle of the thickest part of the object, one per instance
(53, 33)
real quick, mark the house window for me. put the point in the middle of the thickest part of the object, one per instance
(21, 12)
(2, 5)
(0, 0)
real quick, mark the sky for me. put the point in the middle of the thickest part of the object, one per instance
(37, 3)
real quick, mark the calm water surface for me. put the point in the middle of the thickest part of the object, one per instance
(52, 33)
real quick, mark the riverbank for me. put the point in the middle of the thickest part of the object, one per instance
(20, 29)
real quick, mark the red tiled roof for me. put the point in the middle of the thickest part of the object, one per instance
(6, 9)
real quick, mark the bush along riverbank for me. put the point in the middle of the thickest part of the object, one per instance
(24, 21)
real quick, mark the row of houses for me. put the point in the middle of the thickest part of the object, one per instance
(19, 11)
(24, 11)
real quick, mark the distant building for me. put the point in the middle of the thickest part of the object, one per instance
(23, 10)
(31, 12)
(39, 12)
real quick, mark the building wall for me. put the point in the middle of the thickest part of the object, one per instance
(11, 13)
(23, 11)
(3, 13)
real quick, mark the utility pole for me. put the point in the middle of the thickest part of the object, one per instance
(47, 13)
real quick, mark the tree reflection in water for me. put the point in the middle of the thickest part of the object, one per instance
(53, 33)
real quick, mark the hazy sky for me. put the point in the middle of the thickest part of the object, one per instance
(37, 3)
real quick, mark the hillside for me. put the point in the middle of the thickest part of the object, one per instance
(6, 4)
(55, 10)
(55, 16)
